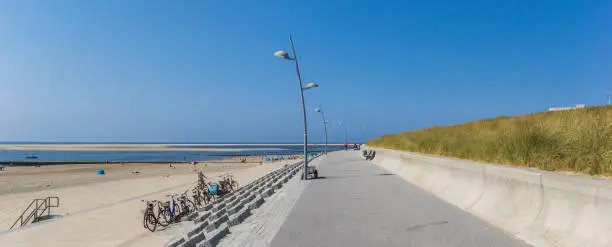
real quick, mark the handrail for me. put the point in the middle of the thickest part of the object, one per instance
(35, 208)
(34, 212)
(56, 199)
(21, 216)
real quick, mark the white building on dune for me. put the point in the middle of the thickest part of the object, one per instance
(579, 106)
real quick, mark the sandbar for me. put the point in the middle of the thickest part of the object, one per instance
(123, 147)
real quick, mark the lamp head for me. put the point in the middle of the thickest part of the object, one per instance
(282, 54)
(310, 86)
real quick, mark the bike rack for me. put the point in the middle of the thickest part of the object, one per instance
(36, 210)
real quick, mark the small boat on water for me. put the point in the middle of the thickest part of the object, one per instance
(31, 157)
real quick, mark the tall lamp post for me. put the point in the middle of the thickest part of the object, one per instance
(345, 131)
(325, 122)
(285, 55)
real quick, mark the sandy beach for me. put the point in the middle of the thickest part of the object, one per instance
(30, 178)
(105, 209)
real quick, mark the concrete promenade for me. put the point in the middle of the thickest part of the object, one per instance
(356, 203)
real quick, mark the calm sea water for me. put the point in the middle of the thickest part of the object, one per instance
(52, 155)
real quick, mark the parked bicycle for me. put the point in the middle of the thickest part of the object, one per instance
(218, 190)
(187, 206)
(228, 183)
(170, 211)
(204, 189)
(198, 199)
(149, 220)
(179, 205)
(201, 180)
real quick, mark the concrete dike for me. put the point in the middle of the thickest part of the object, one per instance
(542, 208)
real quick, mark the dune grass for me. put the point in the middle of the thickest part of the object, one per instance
(578, 140)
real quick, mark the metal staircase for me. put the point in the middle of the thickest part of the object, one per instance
(39, 209)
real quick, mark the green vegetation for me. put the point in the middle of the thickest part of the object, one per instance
(578, 140)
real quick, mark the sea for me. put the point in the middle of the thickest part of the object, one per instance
(152, 156)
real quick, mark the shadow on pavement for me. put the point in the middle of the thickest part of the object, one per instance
(420, 227)
(338, 177)
(351, 176)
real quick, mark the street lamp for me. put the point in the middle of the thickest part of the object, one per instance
(345, 131)
(285, 55)
(325, 122)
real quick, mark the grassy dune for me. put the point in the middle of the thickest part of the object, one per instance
(577, 140)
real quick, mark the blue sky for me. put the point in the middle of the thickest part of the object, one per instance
(203, 71)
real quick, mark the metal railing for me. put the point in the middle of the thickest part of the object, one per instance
(36, 210)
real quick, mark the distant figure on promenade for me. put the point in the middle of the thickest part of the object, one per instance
(345, 146)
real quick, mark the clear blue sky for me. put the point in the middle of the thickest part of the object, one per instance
(203, 71)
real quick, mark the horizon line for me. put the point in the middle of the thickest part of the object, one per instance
(170, 143)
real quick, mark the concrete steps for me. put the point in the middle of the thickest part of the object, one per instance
(212, 222)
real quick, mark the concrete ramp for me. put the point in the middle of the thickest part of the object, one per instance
(539, 207)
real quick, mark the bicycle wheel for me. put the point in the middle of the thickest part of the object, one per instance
(184, 208)
(207, 198)
(227, 188)
(150, 222)
(234, 185)
(164, 218)
(176, 217)
(190, 205)
(197, 201)
(144, 219)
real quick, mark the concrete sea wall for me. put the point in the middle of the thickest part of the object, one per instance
(542, 208)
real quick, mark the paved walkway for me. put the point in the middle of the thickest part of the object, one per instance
(355, 203)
